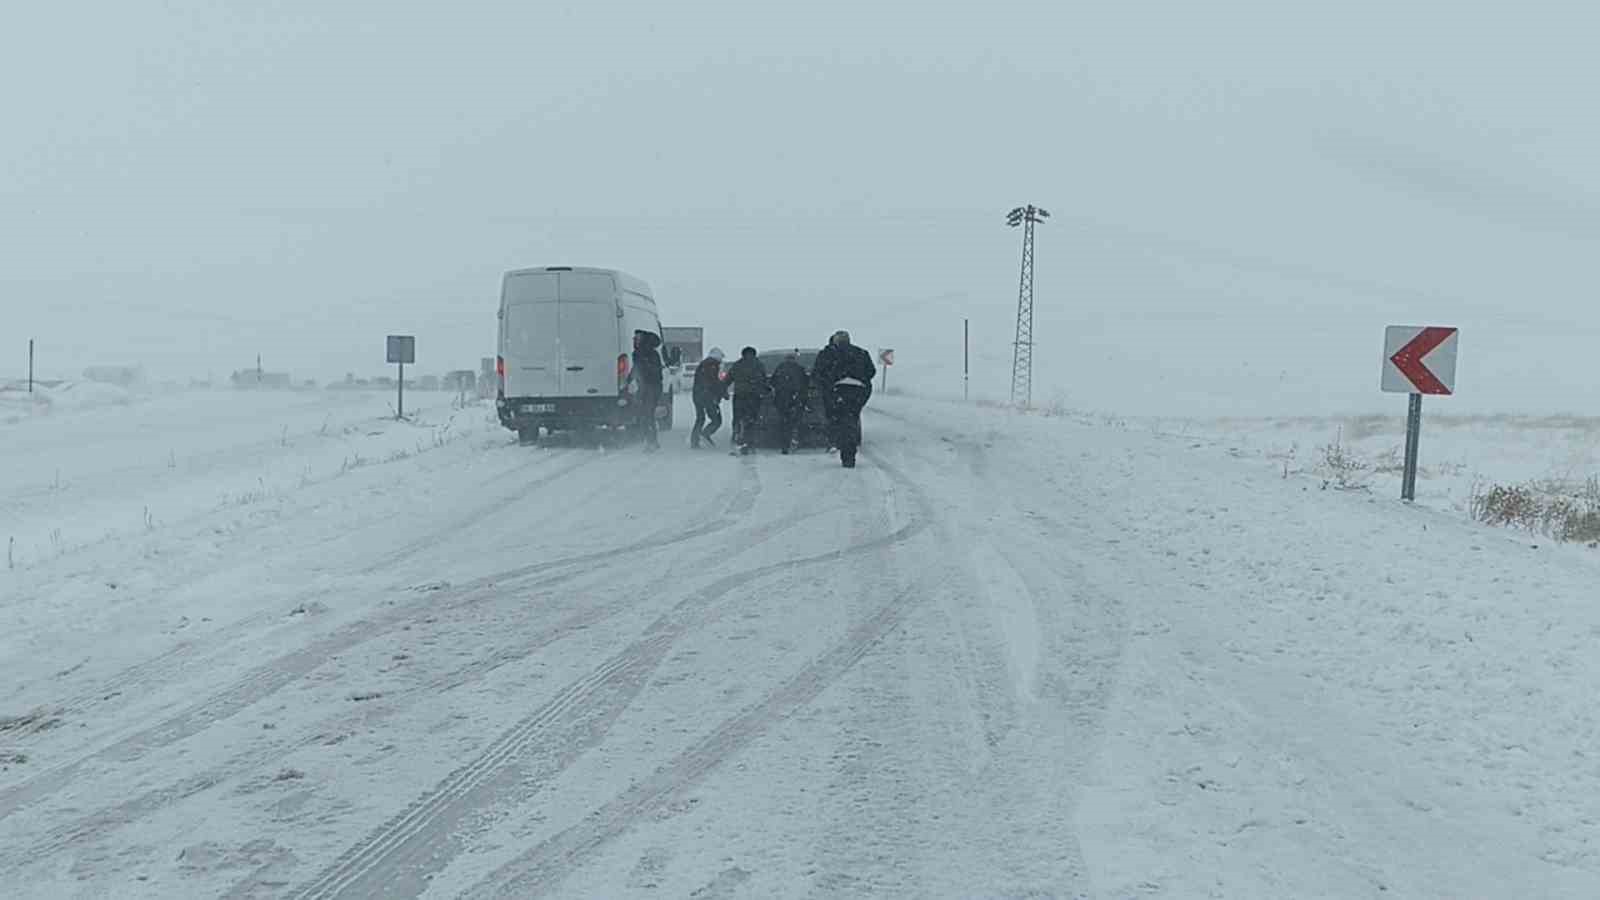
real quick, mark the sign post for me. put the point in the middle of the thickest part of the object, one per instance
(966, 359)
(886, 358)
(30, 365)
(402, 349)
(1417, 361)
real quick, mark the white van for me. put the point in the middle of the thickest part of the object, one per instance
(566, 346)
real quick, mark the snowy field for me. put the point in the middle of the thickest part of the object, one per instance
(281, 645)
(1458, 454)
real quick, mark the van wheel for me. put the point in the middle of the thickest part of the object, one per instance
(666, 424)
(528, 436)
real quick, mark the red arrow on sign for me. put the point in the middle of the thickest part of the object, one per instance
(1408, 360)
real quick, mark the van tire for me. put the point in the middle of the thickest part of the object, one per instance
(527, 437)
(666, 424)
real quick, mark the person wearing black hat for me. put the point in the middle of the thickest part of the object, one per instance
(790, 390)
(843, 373)
(646, 374)
(748, 378)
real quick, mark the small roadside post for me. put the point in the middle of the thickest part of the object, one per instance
(966, 360)
(30, 365)
(1418, 360)
(402, 349)
(886, 358)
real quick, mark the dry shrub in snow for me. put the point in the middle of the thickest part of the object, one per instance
(1343, 468)
(1560, 510)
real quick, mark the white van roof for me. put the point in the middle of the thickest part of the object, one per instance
(625, 281)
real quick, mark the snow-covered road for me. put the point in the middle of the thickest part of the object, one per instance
(1007, 656)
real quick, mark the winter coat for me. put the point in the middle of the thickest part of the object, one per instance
(709, 388)
(647, 361)
(835, 362)
(789, 384)
(748, 377)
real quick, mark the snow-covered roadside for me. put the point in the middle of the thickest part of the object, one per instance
(1459, 454)
(174, 515)
(1321, 693)
(108, 473)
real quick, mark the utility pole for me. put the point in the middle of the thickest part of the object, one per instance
(1022, 352)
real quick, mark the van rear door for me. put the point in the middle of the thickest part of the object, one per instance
(589, 338)
(532, 335)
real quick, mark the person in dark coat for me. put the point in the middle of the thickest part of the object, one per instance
(844, 373)
(646, 376)
(709, 391)
(748, 378)
(790, 391)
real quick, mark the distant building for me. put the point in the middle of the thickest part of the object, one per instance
(123, 376)
(254, 379)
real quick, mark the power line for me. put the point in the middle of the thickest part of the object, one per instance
(1022, 350)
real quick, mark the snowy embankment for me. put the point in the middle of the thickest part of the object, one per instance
(1463, 460)
(1008, 656)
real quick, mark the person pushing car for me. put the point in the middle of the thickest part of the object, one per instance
(790, 387)
(748, 378)
(709, 391)
(843, 372)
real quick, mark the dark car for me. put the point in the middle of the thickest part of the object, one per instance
(813, 431)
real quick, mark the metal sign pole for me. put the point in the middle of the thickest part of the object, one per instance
(30, 365)
(400, 402)
(966, 359)
(1408, 483)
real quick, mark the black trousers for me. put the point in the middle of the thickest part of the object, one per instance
(746, 410)
(703, 413)
(848, 400)
(648, 398)
(789, 415)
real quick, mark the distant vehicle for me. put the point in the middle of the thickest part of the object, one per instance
(565, 349)
(685, 376)
(689, 342)
(813, 431)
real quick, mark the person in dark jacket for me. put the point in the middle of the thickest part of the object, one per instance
(790, 390)
(748, 378)
(709, 391)
(646, 376)
(844, 373)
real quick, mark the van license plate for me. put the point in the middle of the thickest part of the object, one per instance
(540, 407)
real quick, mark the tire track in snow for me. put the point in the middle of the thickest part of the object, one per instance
(1081, 636)
(397, 858)
(544, 867)
(151, 802)
(176, 659)
(267, 679)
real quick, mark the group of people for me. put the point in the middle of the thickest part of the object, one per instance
(841, 378)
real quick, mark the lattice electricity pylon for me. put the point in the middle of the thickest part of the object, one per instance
(1022, 349)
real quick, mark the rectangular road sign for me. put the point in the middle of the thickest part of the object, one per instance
(402, 348)
(1419, 359)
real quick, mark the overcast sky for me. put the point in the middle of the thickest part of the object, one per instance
(1245, 193)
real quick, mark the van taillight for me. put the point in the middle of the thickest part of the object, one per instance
(622, 370)
(500, 369)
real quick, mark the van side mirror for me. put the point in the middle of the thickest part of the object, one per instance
(675, 356)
